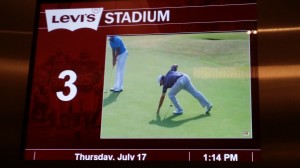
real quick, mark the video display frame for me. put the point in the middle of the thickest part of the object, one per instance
(72, 113)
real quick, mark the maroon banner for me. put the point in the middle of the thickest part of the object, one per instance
(217, 14)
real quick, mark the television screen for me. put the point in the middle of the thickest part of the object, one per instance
(143, 81)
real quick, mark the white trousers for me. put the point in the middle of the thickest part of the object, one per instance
(120, 69)
(185, 83)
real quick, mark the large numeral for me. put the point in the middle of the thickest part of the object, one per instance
(70, 84)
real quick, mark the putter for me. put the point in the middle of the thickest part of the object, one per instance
(110, 78)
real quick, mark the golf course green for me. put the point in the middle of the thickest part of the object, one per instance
(219, 67)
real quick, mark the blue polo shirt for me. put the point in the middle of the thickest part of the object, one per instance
(170, 78)
(116, 43)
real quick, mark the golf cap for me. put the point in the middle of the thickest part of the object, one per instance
(159, 79)
(109, 36)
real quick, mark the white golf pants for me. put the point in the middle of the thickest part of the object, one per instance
(185, 83)
(120, 68)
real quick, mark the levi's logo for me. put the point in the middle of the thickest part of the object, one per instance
(73, 19)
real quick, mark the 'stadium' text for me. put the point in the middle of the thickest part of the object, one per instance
(150, 16)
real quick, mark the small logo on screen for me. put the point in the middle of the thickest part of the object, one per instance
(73, 19)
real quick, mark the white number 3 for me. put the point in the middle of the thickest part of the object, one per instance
(70, 84)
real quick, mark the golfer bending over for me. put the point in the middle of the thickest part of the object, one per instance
(177, 81)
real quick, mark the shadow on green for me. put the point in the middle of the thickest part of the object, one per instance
(170, 123)
(110, 99)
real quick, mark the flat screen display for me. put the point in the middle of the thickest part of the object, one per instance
(143, 81)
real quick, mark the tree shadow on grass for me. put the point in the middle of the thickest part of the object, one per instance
(110, 99)
(170, 123)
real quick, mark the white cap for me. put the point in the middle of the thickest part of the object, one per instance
(159, 79)
(109, 36)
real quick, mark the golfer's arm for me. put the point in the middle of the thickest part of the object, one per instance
(118, 51)
(114, 57)
(161, 101)
(114, 53)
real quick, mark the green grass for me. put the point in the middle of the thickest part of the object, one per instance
(218, 64)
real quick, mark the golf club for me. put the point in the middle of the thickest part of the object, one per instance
(110, 79)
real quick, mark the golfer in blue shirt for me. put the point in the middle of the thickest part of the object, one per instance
(177, 81)
(119, 57)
